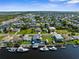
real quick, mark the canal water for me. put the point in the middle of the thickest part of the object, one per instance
(69, 53)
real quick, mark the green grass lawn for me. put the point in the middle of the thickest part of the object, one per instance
(1, 37)
(63, 32)
(10, 44)
(11, 32)
(47, 37)
(73, 42)
(76, 34)
(24, 42)
(27, 31)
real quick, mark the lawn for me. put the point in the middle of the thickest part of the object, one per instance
(63, 32)
(11, 32)
(27, 31)
(10, 44)
(1, 37)
(24, 42)
(73, 42)
(47, 37)
(76, 34)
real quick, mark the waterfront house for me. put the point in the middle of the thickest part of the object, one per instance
(36, 36)
(76, 37)
(58, 38)
(36, 41)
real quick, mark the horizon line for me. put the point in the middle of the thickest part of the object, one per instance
(38, 11)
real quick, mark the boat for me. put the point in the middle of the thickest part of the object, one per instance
(21, 49)
(75, 46)
(12, 49)
(53, 48)
(7, 48)
(35, 46)
(63, 47)
(44, 48)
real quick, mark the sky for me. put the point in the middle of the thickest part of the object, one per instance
(39, 5)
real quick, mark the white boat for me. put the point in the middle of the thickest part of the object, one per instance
(35, 46)
(75, 46)
(44, 48)
(63, 47)
(7, 47)
(52, 48)
(21, 49)
(12, 49)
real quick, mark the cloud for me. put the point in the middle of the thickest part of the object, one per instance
(73, 1)
(28, 7)
(36, 6)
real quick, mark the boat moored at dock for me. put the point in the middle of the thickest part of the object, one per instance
(45, 48)
(21, 49)
(12, 49)
(52, 48)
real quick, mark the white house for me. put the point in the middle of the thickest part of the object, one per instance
(58, 38)
(52, 29)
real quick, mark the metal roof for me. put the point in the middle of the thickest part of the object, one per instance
(58, 36)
